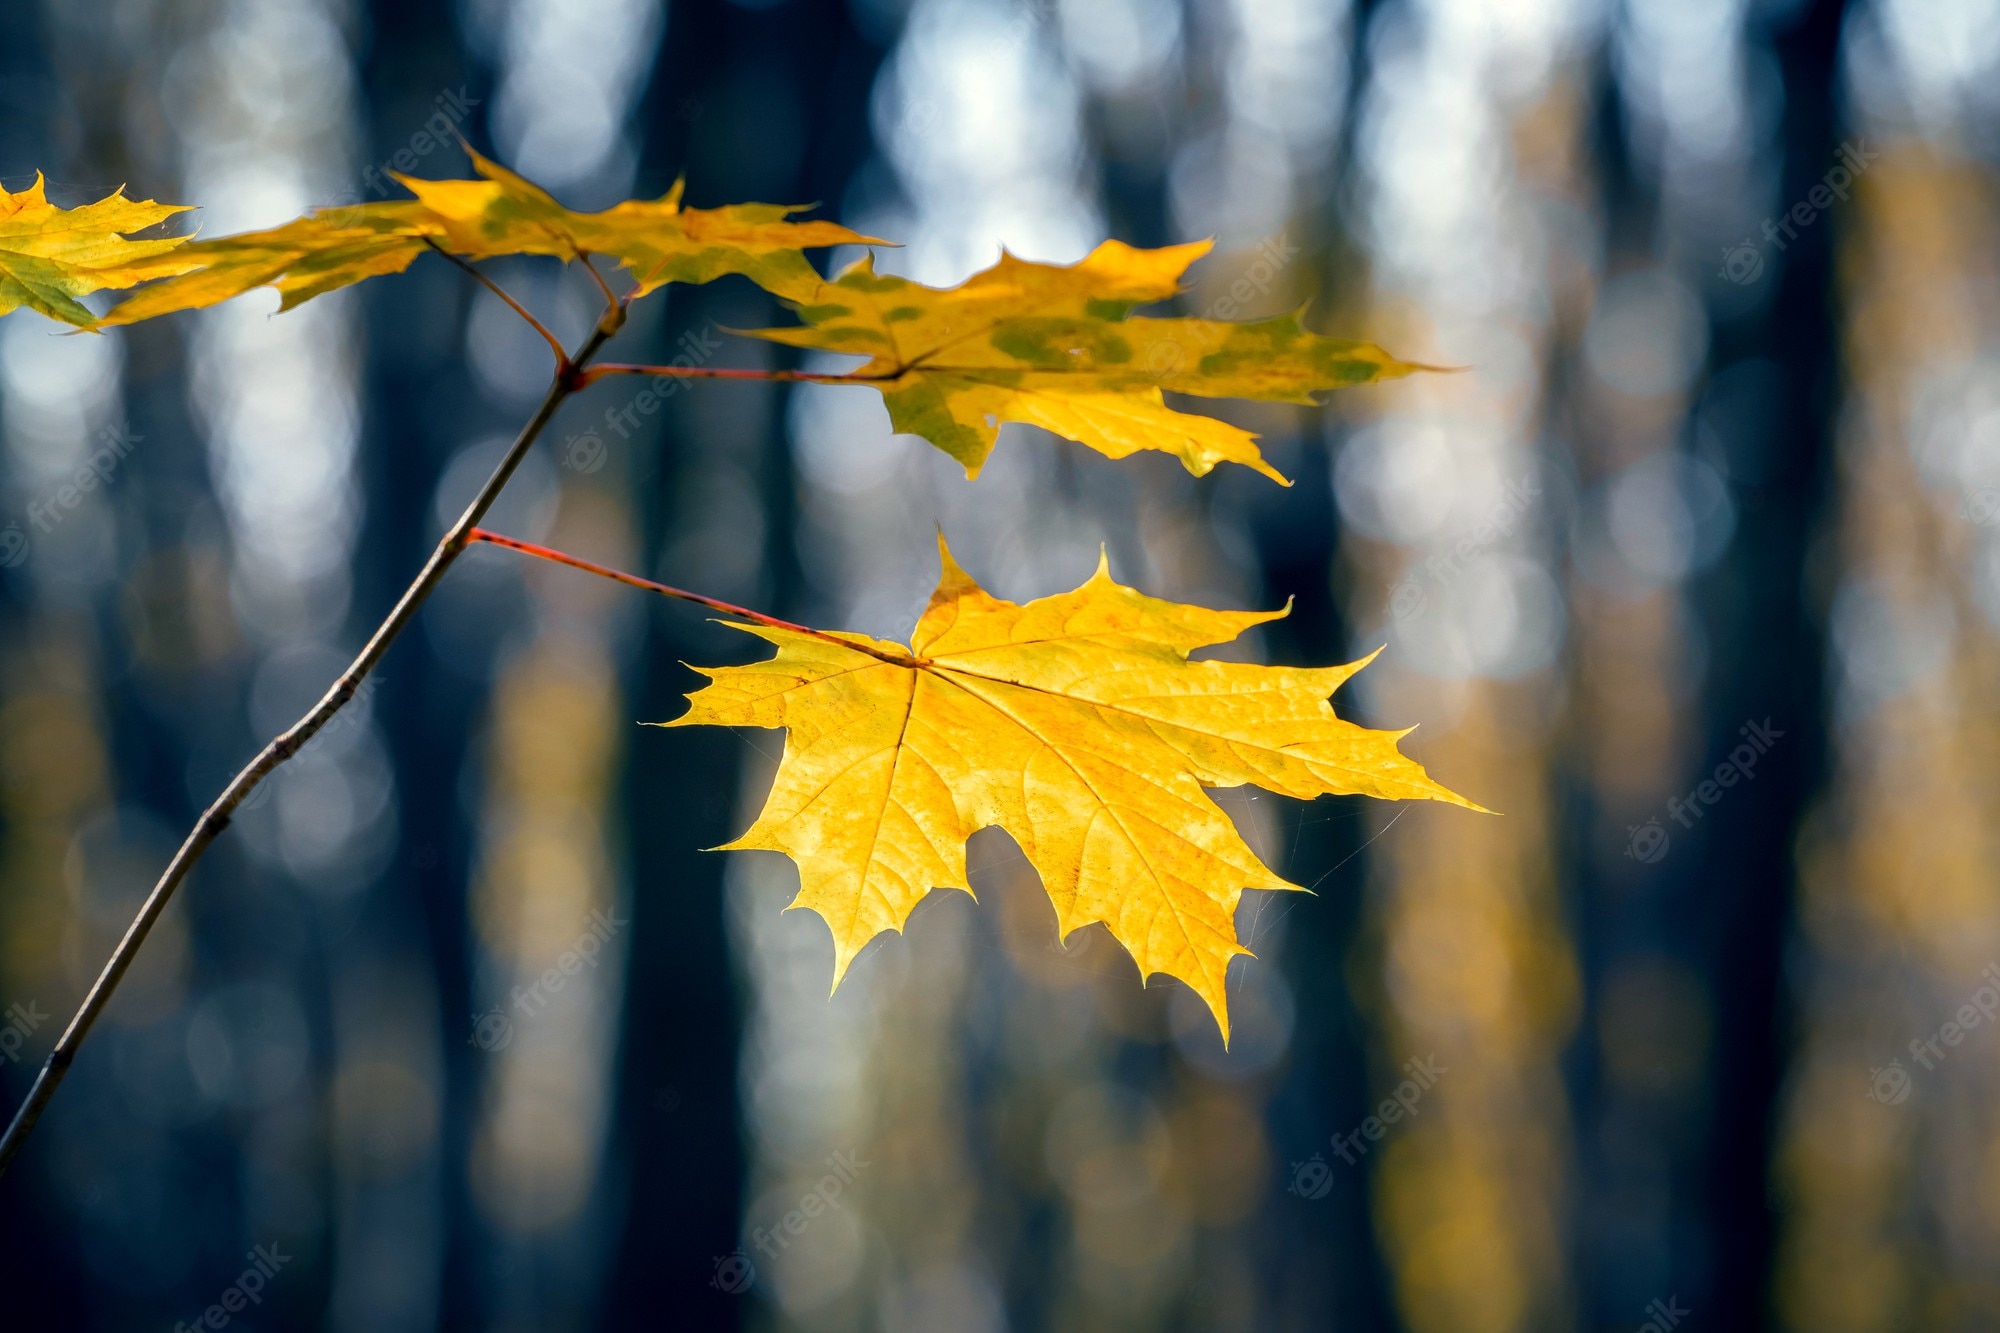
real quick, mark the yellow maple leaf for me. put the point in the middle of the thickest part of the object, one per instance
(1054, 346)
(658, 241)
(1076, 723)
(49, 256)
(304, 258)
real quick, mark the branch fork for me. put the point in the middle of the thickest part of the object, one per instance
(572, 375)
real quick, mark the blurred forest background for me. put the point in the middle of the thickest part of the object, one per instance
(1694, 575)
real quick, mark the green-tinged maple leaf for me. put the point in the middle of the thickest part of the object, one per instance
(49, 256)
(657, 241)
(1074, 722)
(1055, 346)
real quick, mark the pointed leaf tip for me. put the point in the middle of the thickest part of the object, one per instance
(951, 574)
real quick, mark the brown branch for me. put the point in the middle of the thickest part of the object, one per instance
(668, 590)
(610, 368)
(216, 818)
(611, 299)
(564, 365)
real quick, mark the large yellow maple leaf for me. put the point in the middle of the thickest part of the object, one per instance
(1054, 346)
(49, 256)
(1076, 723)
(657, 241)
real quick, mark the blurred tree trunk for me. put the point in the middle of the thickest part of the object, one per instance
(748, 103)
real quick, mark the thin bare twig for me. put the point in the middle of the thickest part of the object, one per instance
(564, 365)
(216, 818)
(668, 590)
(610, 298)
(610, 368)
